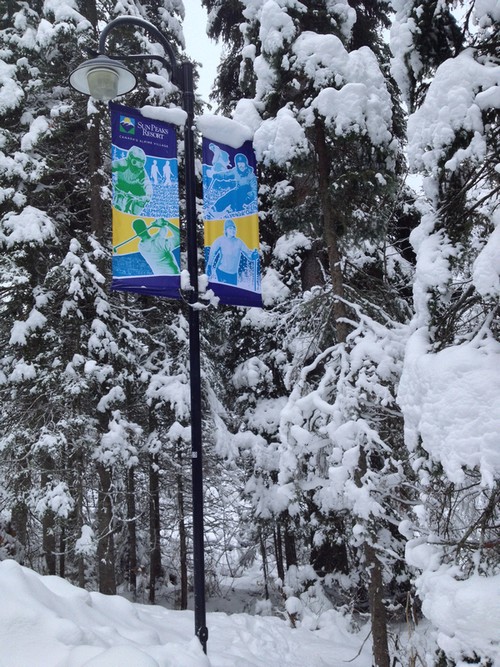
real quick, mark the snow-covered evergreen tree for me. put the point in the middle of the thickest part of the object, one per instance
(449, 390)
(78, 361)
(40, 423)
(321, 432)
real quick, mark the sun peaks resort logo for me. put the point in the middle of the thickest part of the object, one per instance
(127, 125)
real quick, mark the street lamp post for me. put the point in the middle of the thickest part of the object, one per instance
(104, 78)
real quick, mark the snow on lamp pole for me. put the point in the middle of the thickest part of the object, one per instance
(104, 78)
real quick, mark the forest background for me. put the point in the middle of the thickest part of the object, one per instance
(351, 425)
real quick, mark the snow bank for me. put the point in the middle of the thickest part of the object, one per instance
(47, 622)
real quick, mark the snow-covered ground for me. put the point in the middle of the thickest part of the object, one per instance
(47, 622)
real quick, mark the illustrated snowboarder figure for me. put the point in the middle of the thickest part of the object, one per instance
(242, 184)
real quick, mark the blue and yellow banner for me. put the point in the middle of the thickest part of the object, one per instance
(231, 223)
(146, 234)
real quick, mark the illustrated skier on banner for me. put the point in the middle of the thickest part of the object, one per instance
(225, 254)
(232, 190)
(132, 186)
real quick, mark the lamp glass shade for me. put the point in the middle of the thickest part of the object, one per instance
(102, 78)
(103, 83)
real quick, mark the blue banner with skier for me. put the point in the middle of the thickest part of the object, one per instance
(145, 213)
(231, 223)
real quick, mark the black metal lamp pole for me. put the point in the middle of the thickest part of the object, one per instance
(182, 77)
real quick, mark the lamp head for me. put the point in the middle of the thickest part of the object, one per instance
(102, 78)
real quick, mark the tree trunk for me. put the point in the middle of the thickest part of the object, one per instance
(78, 463)
(330, 234)
(155, 570)
(278, 551)
(132, 532)
(48, 519)
(263, 555)
(49, 542)
(105, 545)
(19, 524)
(378, 612)
(62, 552)
(290, 550)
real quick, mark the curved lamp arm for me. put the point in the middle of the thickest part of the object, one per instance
(105, 77)
(154, 32)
